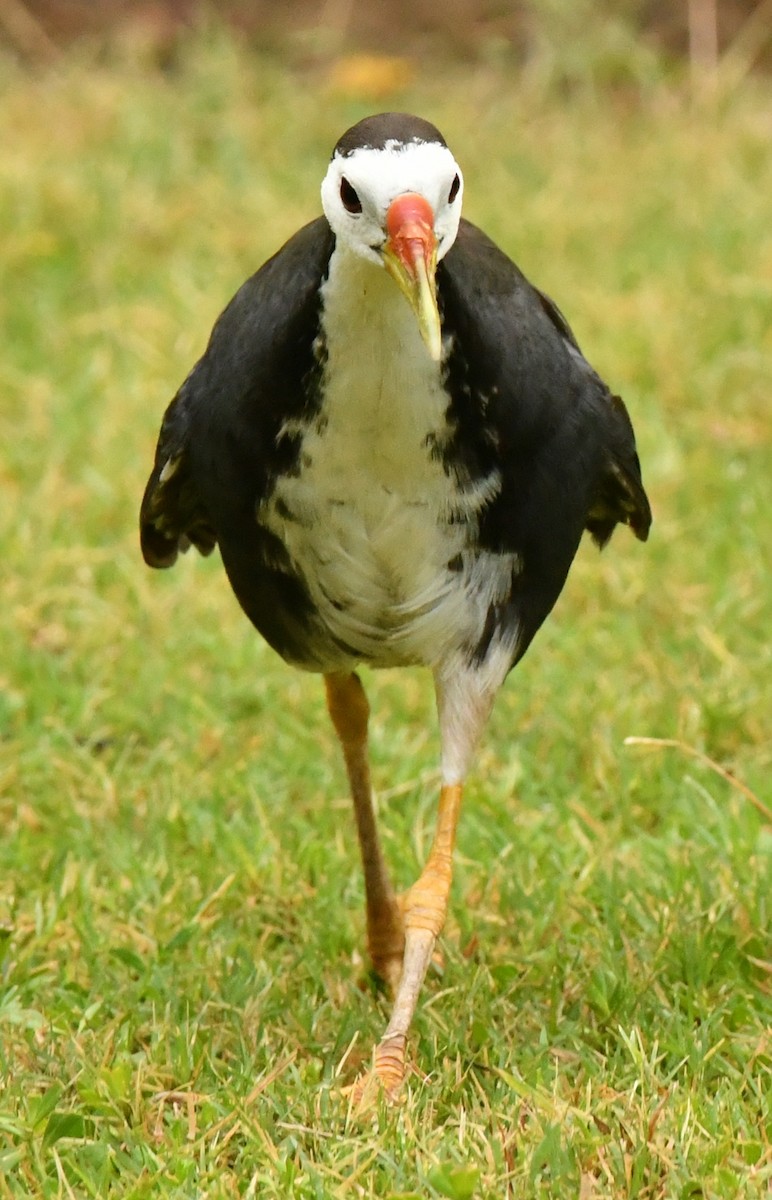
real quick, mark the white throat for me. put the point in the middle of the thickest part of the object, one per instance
(384, 394)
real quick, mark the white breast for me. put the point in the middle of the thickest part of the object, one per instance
(367, 520)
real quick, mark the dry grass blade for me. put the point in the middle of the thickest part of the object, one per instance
(701, 756)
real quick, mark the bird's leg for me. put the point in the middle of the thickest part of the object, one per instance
(464, 700)
(424, 908)
(349, 710)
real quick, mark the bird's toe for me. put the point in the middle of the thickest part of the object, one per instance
(384, 1079)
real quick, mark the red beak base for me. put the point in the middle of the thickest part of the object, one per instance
(410, 226)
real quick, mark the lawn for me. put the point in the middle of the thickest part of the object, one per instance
(182, 996)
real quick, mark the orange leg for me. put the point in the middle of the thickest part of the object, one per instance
(464, 698)
(349, 710)
(424, 909)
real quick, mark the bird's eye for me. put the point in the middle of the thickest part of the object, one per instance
(351, 201)
(455, 185)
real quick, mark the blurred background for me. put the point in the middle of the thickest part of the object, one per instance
(703, 32)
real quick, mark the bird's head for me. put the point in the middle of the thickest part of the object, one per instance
(392, 195)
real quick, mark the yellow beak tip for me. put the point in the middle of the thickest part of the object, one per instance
(417, 285)
(433, 340)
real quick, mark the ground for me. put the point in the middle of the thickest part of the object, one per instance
(182, 995)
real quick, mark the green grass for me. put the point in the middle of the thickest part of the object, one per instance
(181, 994)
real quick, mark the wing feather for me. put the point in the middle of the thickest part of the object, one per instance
(172, 515)
(220, 440)
(550, 400)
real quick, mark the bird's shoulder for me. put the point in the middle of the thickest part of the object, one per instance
(255, 375)
(550, 414)
(272, 311)
(515, 325)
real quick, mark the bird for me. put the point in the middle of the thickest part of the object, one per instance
(397, 444)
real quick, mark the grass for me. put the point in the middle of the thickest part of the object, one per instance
(180, 899)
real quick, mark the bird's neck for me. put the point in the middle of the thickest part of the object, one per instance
(379, 373)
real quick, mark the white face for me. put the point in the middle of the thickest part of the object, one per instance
(358, 189)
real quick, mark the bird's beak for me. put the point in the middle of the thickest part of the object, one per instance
(410, 257)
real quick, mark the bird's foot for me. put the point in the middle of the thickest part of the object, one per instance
(385, 1077)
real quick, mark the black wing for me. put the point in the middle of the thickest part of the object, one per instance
(526, 403)
(172, 515)
(219, 438)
